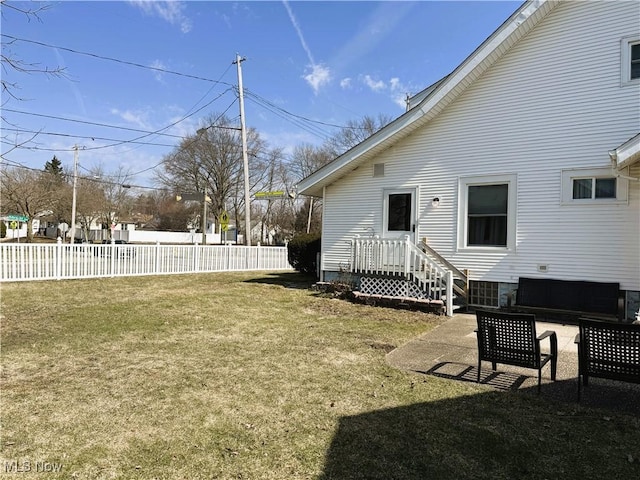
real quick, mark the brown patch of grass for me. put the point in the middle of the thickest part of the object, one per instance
(254, 376)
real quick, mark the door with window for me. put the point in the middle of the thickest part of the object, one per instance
(399, 216)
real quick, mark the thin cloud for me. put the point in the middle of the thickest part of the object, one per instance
(159, 76)
(394, 89)
(170, 11)
(375, 85)
(345, 83)
(320, 75)
(138, 119)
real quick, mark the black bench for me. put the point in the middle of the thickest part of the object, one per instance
(608, 350)
(569, 299)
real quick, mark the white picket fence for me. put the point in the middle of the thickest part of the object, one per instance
(29, 261)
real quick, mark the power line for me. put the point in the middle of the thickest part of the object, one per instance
(68, 135)
(85, 122)
(90, 179)
(286, 112)
(111, 59)
(312, 129)
(135, 140)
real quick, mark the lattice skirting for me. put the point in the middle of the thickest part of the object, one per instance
(392, 287)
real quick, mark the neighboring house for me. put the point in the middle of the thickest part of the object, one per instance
(523, 162)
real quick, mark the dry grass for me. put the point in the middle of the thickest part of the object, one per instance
(254, 376)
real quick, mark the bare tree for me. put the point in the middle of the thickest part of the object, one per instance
(306, 159)
(354, 132)
(28, 192)
(14, 66)
(116, 200)
(89, 200)
(211, 161)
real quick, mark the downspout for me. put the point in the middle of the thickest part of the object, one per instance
(321, 259)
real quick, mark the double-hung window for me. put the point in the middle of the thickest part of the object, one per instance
(487, 212)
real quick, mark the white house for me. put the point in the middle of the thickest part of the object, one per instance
(523, 162)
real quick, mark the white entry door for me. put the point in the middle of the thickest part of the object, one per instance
(399, 214)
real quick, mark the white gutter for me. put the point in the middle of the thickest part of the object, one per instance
(626, 154)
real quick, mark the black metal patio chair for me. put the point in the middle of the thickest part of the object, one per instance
(510, 339)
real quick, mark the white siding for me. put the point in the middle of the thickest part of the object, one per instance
(554, 101)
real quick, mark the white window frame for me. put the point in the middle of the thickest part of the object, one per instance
(569, 175)
(625, 55)
(463, 191)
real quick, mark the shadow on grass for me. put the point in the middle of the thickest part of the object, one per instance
(492, 435)
(293, 280)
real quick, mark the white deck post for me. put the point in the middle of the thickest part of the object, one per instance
(449, 293)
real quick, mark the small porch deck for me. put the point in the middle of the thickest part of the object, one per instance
(396, 271)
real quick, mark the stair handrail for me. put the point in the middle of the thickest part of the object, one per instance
(431, 251)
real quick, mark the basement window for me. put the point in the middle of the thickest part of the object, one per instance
(484, 294)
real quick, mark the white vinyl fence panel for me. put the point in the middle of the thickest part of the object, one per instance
(26, 262)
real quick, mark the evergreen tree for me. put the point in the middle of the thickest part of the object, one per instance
(54, 167)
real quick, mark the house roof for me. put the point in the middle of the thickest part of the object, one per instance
(431, 101)
(626, 154)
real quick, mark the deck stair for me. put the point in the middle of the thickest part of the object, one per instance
(460, 277)
(396, 270)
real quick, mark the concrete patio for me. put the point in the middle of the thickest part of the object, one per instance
(450, 351)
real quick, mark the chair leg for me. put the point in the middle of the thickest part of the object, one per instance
(539, 379)
(579, 388)
(554, 367)
(479, 367)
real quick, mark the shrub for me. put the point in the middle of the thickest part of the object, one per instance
(3, 229)
(302, 252)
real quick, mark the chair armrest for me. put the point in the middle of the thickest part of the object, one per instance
(577, 339)
(546, 334)
(553, 339)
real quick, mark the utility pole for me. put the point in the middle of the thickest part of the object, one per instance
(73, 201)
(245, 160)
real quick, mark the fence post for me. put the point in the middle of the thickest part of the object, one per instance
(57, 259)
(196, 258)
(258, 245)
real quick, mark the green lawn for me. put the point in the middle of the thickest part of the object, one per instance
(254, 376)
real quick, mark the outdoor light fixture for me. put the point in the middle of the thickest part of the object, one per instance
(435, 202)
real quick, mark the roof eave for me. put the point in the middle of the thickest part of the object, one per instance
(468, 71)
(626, 154)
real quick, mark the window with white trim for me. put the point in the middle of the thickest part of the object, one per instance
(630, 53)
(594, 185)
(487, 212)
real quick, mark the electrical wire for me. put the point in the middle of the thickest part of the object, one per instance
(134, 140)
(111, 59)
(68, 135)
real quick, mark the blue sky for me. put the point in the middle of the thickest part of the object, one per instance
(306, 62)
